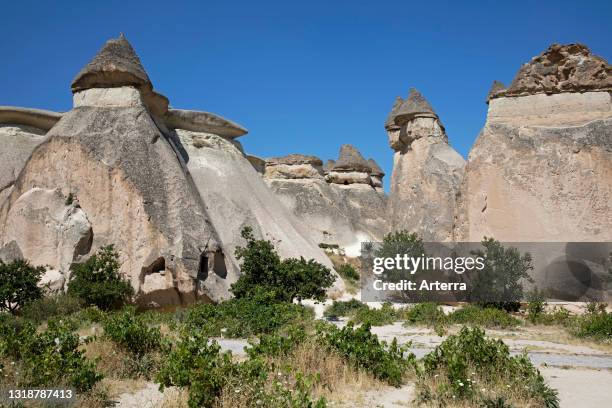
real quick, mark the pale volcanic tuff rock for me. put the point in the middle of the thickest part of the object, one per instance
(138, 187)
(344, 207)
(541, 168)
(427, 172)
(237, 196)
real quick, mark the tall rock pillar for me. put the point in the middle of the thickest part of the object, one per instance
(427, 172)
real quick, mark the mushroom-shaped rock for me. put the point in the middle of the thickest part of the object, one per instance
(115, 65)
(205, 122)
(294, 166)
(351, 160)
(496, 88)
(37, 118)
(294, 159)
(562, 68)
(415, 105)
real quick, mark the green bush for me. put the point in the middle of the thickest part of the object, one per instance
(263, 270)
(57, 305)
(499, 284)
(378, 317)
(536, 306)
(344, 308)
(348, 272)
(198, 364)
(485, 317)
(19, 284)
(361, 348)
(427, 313)
(245, 317)
(467, 363)
(131, 332)
(595, 324)
(98, 282)
(278, 344)
(49, 358)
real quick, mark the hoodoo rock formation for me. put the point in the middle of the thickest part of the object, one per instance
(168, 188)
(541, 169)
(342, 204)
(427, 171)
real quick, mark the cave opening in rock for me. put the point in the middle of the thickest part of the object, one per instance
(203, 267)
(219, 264)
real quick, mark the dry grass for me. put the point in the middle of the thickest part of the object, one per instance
(174, 398)
(110, 358)
(338, 380)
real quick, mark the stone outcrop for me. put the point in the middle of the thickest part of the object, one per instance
(341, 203)
(427, 172)
(561, 68)
(120, 169)
(541, 168)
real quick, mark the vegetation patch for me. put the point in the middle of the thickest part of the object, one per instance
(97, 282)
(471, 368)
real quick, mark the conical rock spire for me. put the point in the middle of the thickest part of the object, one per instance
(115, 65)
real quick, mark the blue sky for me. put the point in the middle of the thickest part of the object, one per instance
(303, 77)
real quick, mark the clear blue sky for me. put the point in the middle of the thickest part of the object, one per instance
(303, 77)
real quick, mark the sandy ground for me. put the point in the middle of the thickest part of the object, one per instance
(581, 372)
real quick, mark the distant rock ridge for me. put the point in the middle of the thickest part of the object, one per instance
(559, 69)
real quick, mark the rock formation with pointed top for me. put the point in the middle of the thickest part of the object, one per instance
(427, 172)
(541, 168)
(496, 89)
(170, 189)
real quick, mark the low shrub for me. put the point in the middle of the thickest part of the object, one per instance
(427, 313)
(19, 284)
(472, 368)
(596, 325)
(245, 316)
(348, 272)
(485, 317)
(361, 348)
(278, 344)
(51, 306)
(48, 358)
(97, 281)
(344, 308)
(378, 317)
(536, 305)
(198, 364)
(131, 332)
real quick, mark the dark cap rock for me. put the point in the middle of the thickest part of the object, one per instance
(115, 65)
(415, 105)
(390, 122)
(295, 159)
(562, 68)
(376, 170)
(496, 87)
(351, 160)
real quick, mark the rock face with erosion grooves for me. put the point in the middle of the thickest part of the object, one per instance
(114, 171)
(342, 204)
(427, 171)
(541, 168)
